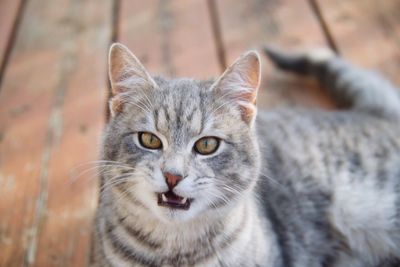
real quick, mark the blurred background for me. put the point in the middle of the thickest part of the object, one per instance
(54, 89)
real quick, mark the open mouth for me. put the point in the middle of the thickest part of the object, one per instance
(172, 200)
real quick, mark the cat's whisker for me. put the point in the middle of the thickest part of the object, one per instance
(97, 170)
(137, 102)
(228, 94)
(231, 100)
(232, 190)
(144, 109)
(117, 180)
(126, 177)
(273, 181)
(124, 193)
(94, 164)
(147, 99)
(216, 209)
(98, 163)
(214, 111)
(219, 196)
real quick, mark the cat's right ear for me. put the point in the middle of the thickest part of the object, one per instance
(239, 84)
(126, 73)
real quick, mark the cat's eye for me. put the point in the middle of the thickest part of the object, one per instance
(206, 145)
(149, 140)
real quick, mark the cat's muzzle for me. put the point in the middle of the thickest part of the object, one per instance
(171, 200)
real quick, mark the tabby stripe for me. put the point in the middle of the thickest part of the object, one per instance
(140, 237)
(155, 116)
(126, 252)
(281, 236)
(202, 110)
(203, 250)
(179, 114)
(189, 116)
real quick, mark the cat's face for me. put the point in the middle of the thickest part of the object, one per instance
(187, 147)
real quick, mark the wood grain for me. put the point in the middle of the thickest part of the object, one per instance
(367, 32)
(172, 38)
(51, 113)
(289, 25)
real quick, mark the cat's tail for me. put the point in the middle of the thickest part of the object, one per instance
(352, 87)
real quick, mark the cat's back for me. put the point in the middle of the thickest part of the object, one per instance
(325, 175)
(328, 141)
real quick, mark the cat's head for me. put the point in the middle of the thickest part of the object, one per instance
(182, 148)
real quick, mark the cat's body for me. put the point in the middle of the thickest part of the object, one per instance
(292, 189)
(339, 179)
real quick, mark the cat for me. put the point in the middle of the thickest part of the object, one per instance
(191, 175)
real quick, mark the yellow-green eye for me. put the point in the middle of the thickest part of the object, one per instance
(206, 145)
(149, 140)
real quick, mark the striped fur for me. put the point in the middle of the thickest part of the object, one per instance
(288, 189)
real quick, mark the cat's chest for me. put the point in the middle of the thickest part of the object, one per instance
(216, 245)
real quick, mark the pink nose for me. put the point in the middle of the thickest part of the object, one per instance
(172, 179)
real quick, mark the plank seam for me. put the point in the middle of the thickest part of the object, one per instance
(11, 39)
(115, 18)
(315, 7)
(165, 20)
(216, 30)
(115, 13)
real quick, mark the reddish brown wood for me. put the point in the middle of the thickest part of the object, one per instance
(286, 24)
(367, 32)
(8, 17)
(51, 114)
(170, 37)
(25, 105)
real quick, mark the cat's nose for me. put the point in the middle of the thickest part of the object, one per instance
(172, 179)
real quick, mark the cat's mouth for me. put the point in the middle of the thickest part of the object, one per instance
(172, 200)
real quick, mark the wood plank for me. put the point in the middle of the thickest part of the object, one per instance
(25, 105)
(286, 24)
(8, 17)
(172, 38)
(51, 113)
(367, 32)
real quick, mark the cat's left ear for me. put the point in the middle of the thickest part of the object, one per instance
(239, 84)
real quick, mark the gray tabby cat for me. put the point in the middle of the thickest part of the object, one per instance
(192, 178)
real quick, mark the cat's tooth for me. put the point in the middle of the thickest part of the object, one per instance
(183, 201)
(164, 198)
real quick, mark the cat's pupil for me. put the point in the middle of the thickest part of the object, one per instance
(205, 143)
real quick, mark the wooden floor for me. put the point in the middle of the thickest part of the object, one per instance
(54, 89)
